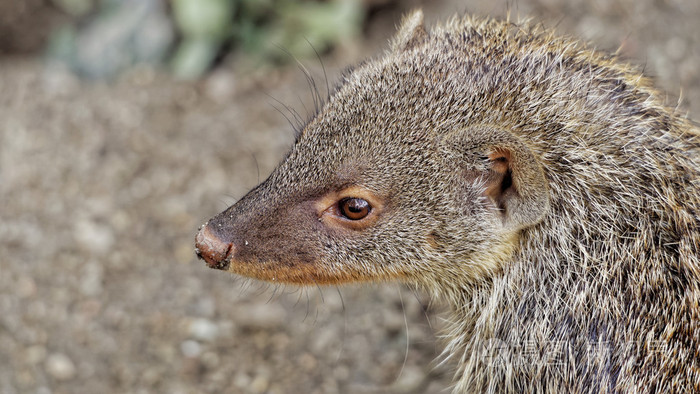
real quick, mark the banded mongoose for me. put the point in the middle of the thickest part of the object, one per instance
(542, 188)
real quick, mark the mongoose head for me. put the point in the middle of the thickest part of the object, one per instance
(400, 176)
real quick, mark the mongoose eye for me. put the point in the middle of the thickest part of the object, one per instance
(354, 208)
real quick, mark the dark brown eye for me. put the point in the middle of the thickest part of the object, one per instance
(354, 208)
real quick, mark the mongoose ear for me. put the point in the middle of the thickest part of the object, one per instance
(510, 173)
(411, 32)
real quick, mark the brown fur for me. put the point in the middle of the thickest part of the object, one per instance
(541, 188)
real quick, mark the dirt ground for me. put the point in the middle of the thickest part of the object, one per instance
(102, 188)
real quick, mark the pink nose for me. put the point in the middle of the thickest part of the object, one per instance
(212, 249)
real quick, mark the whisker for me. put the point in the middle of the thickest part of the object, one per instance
(308, 114)
(345, 327)
(300, 294)
(323, 67)
(315, 95)
(272, 296)
(423, 309)
(228, 204)
(323, 301)
(262, 288)
(308, 305)
(408, 336)
(342, 301)
(257, 167)
(298, 123)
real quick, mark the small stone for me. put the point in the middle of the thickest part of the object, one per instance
(93, 236)
(261, 316)
(35, 354)
(308, 362)
(60, 367)
(241, 380)
(206, 306)
(341, 373)
(260, 384)
(324, 340)
(204, 330)
(411, 379)
(91, 279)
(191, 348)
(184, 253)
(220, 86)
(210, 360)
(151, 376)
(26, 287)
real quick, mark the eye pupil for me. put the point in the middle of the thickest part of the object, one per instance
(354, 208)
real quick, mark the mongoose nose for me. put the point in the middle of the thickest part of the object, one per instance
(212, 249)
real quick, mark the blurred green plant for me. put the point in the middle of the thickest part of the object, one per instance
(107, 36)
(75, 8)
(205, 25)
(300, 27)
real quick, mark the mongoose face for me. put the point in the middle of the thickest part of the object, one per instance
(336, 211)
(388, 181)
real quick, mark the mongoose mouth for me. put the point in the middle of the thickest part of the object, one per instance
(222, 255)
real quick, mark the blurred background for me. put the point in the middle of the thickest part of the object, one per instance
(125, 124)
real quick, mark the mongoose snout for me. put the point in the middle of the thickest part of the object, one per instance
(210, 247)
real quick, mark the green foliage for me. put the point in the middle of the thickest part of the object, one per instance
(265, 30)
(259, 31)
(263, 27)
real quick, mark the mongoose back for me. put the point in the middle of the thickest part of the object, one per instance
(541, 188)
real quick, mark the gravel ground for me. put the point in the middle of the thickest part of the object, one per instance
(103, 187)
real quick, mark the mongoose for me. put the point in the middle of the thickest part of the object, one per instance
(542, 188)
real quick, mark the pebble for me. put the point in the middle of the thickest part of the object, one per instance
(411, 379)
(35, 354)
(323, 341)
(261, 316)
(91, 279)
(60, 367)
(190, 348)
(204, 330)
(260, 383)
(205, 306)
(93, 236)
(26, 287)
(210, 360)
(241, 380)
(308, 362)
(220, 86)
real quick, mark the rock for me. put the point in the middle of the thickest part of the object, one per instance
(261, 316)
(190, 348)
(91, 278)
(35, 354)
(204, 330)
(60, 367)
(93, 236)
(220, 86)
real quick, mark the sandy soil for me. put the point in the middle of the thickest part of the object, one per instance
(104, 185)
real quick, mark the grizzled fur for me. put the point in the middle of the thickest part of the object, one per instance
(541, 188)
